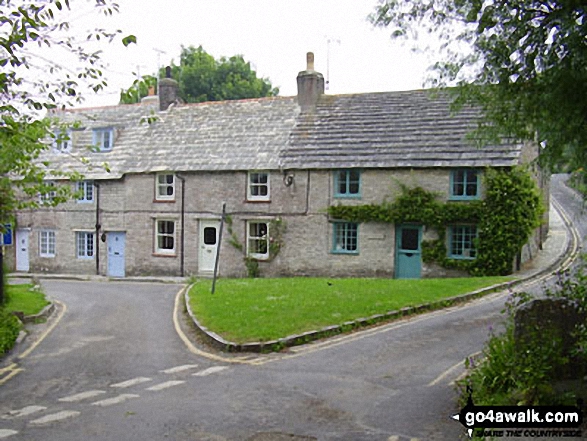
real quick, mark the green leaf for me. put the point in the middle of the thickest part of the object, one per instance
(129, 39)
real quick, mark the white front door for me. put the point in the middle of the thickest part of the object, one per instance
(22, 250)
(208, 245)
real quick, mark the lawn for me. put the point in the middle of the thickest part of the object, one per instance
(26, 299)
(247, 310)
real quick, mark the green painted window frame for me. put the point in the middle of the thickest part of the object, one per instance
(350, 181)
(461, 242)
(460, 180)
(343, 235)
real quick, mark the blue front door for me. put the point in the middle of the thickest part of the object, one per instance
(116, 266)
(408, 264)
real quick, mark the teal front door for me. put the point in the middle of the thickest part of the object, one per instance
(408, 256)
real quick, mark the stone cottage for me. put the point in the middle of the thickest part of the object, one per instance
(155, 206)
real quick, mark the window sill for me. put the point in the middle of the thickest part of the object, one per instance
(164, 201)
(347, 196)
(258, 201)
(344, 253)
(160, 254)
(464, 198)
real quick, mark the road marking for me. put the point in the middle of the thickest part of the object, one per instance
(165, 385)
(82, 396)
(177, 369)
(210, 370)
(15, 371)
(5, 433)
(115, 400)
(393, 438)
(187, 341)
(47, 331)
(59, 416)
(25, 411)
(132, 382)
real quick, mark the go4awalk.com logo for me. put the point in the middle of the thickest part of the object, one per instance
(521, 421)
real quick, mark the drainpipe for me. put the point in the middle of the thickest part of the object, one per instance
(182, 251)
(98, 227)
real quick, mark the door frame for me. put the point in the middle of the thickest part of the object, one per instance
(204, 223)
(398, 250)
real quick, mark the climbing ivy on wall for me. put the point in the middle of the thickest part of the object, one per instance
(505, 219)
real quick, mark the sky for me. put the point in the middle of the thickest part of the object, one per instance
(273, 35)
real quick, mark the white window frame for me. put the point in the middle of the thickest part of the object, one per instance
(256, 239)
(85, 245)
(99, 138)
(64, 145)
(158, 235)
(253, 186)
(162, 196)
(86, 197)
(47, 244)
(46, 198)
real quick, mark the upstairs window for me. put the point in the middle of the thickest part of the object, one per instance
(86, 192)
(165, 187)
(62, 141)
(347, 183)
(103, 139)
(462, 242)
(46, 197)
(258, 186)
(345, 238)
(258, 240)
(465, 184)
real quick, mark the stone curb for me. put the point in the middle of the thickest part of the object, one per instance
(44, 314)
(293, 340)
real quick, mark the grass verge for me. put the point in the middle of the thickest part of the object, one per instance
(247, 310)
(26, 299)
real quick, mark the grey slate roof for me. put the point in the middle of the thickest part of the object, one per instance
(398, 129)
(382, 130)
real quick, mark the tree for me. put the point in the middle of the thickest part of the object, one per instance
(524, 62)
(33, 35)
(203, 78)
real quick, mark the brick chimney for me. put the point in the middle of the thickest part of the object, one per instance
(310, 85)
(168, 90)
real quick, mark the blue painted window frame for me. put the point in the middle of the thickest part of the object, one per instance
(345, 177)
(99, 138)
(87, 192)
(343, 235)
(461, 180)
(461, 238)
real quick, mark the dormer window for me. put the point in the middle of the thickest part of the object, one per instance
(62, 141)
(103, 139)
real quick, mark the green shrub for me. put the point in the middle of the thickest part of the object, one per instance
(9, 329)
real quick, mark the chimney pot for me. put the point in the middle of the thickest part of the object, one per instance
(310, 61)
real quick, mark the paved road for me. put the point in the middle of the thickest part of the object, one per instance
(114, 368)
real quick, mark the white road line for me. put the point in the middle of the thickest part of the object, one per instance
(82, 396)
(5, 433)
(165, 385)
(393, 438)
(59, 416)
(210, 370)
(132, 382)
(177, 369)
(115, 400)
(25, 411)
